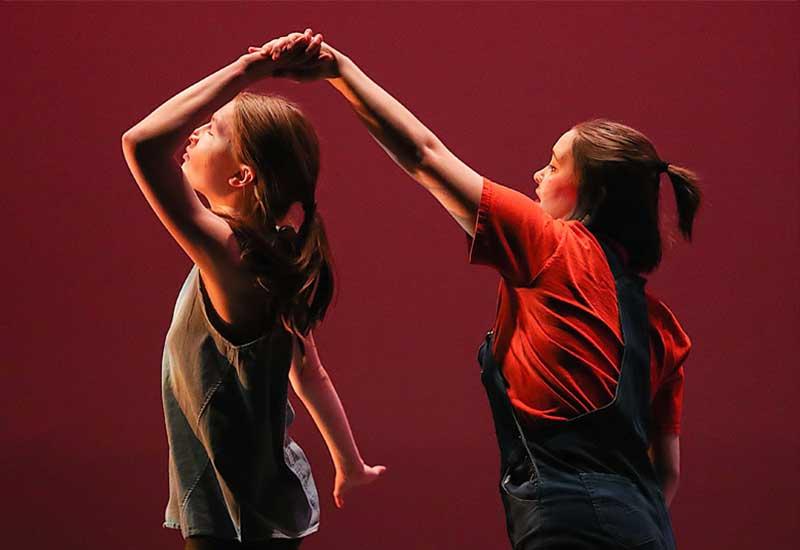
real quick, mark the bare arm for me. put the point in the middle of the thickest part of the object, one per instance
(411, 144)
(405, 139)
(315, 389)
(150, 145)
(665, 449)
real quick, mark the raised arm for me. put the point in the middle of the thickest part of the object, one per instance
(404, 138)
(311, 383)
(150, 146)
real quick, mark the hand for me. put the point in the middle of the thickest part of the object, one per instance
(300, 56)
(345, 481)
(261, 62)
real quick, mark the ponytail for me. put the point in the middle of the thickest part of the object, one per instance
(687, 197)
(315, 271)
(290, 263)
(295, 270)
(619, 172)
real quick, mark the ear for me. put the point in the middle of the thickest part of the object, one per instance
(244, 176)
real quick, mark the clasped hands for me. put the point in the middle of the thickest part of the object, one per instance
(297, 56)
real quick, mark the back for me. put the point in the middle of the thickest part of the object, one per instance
(557, 332)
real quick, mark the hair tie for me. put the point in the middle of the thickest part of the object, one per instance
(663, 167)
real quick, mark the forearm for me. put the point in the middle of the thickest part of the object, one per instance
(411, 145)
(395, 128)
(669, 486)
(665, 455)
(170, 124)
(319, 396)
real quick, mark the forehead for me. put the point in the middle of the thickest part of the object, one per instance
(563, 146)
(222, 117)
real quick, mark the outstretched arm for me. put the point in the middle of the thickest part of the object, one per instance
(404, 138)
(315, 389)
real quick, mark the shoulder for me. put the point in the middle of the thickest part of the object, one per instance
(580, 248)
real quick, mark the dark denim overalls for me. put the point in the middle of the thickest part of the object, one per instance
(586, 482)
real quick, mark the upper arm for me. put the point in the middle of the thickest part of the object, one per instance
(206, 238)
(669, 347)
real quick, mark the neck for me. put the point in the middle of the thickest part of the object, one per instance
(230, 205)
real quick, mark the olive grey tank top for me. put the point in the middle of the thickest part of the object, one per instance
(234, 473)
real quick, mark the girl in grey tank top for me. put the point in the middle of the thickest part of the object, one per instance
(242, 325)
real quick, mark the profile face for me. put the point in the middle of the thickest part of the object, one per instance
(557, 183)
(209, 162)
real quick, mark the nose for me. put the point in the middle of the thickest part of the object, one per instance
(537, 176)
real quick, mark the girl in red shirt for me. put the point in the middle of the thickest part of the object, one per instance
(583, 369)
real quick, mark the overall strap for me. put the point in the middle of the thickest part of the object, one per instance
(633, 385)
(510, 435)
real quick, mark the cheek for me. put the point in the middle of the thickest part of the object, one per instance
(558, 196)
(208, 163)
(564, 189)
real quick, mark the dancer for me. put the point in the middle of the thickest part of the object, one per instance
(583, 369)
(242, 325)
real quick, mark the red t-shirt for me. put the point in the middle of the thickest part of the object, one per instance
(557, 333)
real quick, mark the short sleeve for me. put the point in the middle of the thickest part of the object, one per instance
(668, 404)
(513, 234)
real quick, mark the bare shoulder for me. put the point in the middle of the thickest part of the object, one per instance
(229, 287)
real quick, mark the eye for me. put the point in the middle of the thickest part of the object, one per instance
(551, 167)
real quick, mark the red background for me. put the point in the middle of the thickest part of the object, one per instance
(91, 277)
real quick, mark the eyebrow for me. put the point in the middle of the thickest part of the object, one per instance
(217, 126)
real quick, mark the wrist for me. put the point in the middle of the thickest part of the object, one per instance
(252, 68)
(344, 67)
(355, 464)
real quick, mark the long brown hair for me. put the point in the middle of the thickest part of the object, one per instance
(272, 136)
(618, 188)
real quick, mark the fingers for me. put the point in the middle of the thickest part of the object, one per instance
(338, 500)
(314, 45)
(288, 43)
(295, 44)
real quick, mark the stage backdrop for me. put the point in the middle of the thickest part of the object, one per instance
(90, 276)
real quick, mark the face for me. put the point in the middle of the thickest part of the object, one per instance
(209, 164)
(557, 183)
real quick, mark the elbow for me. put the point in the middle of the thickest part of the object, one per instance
(141, 148)
(127, 141)
(669, 478)
(130, 141)
(426, 156)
